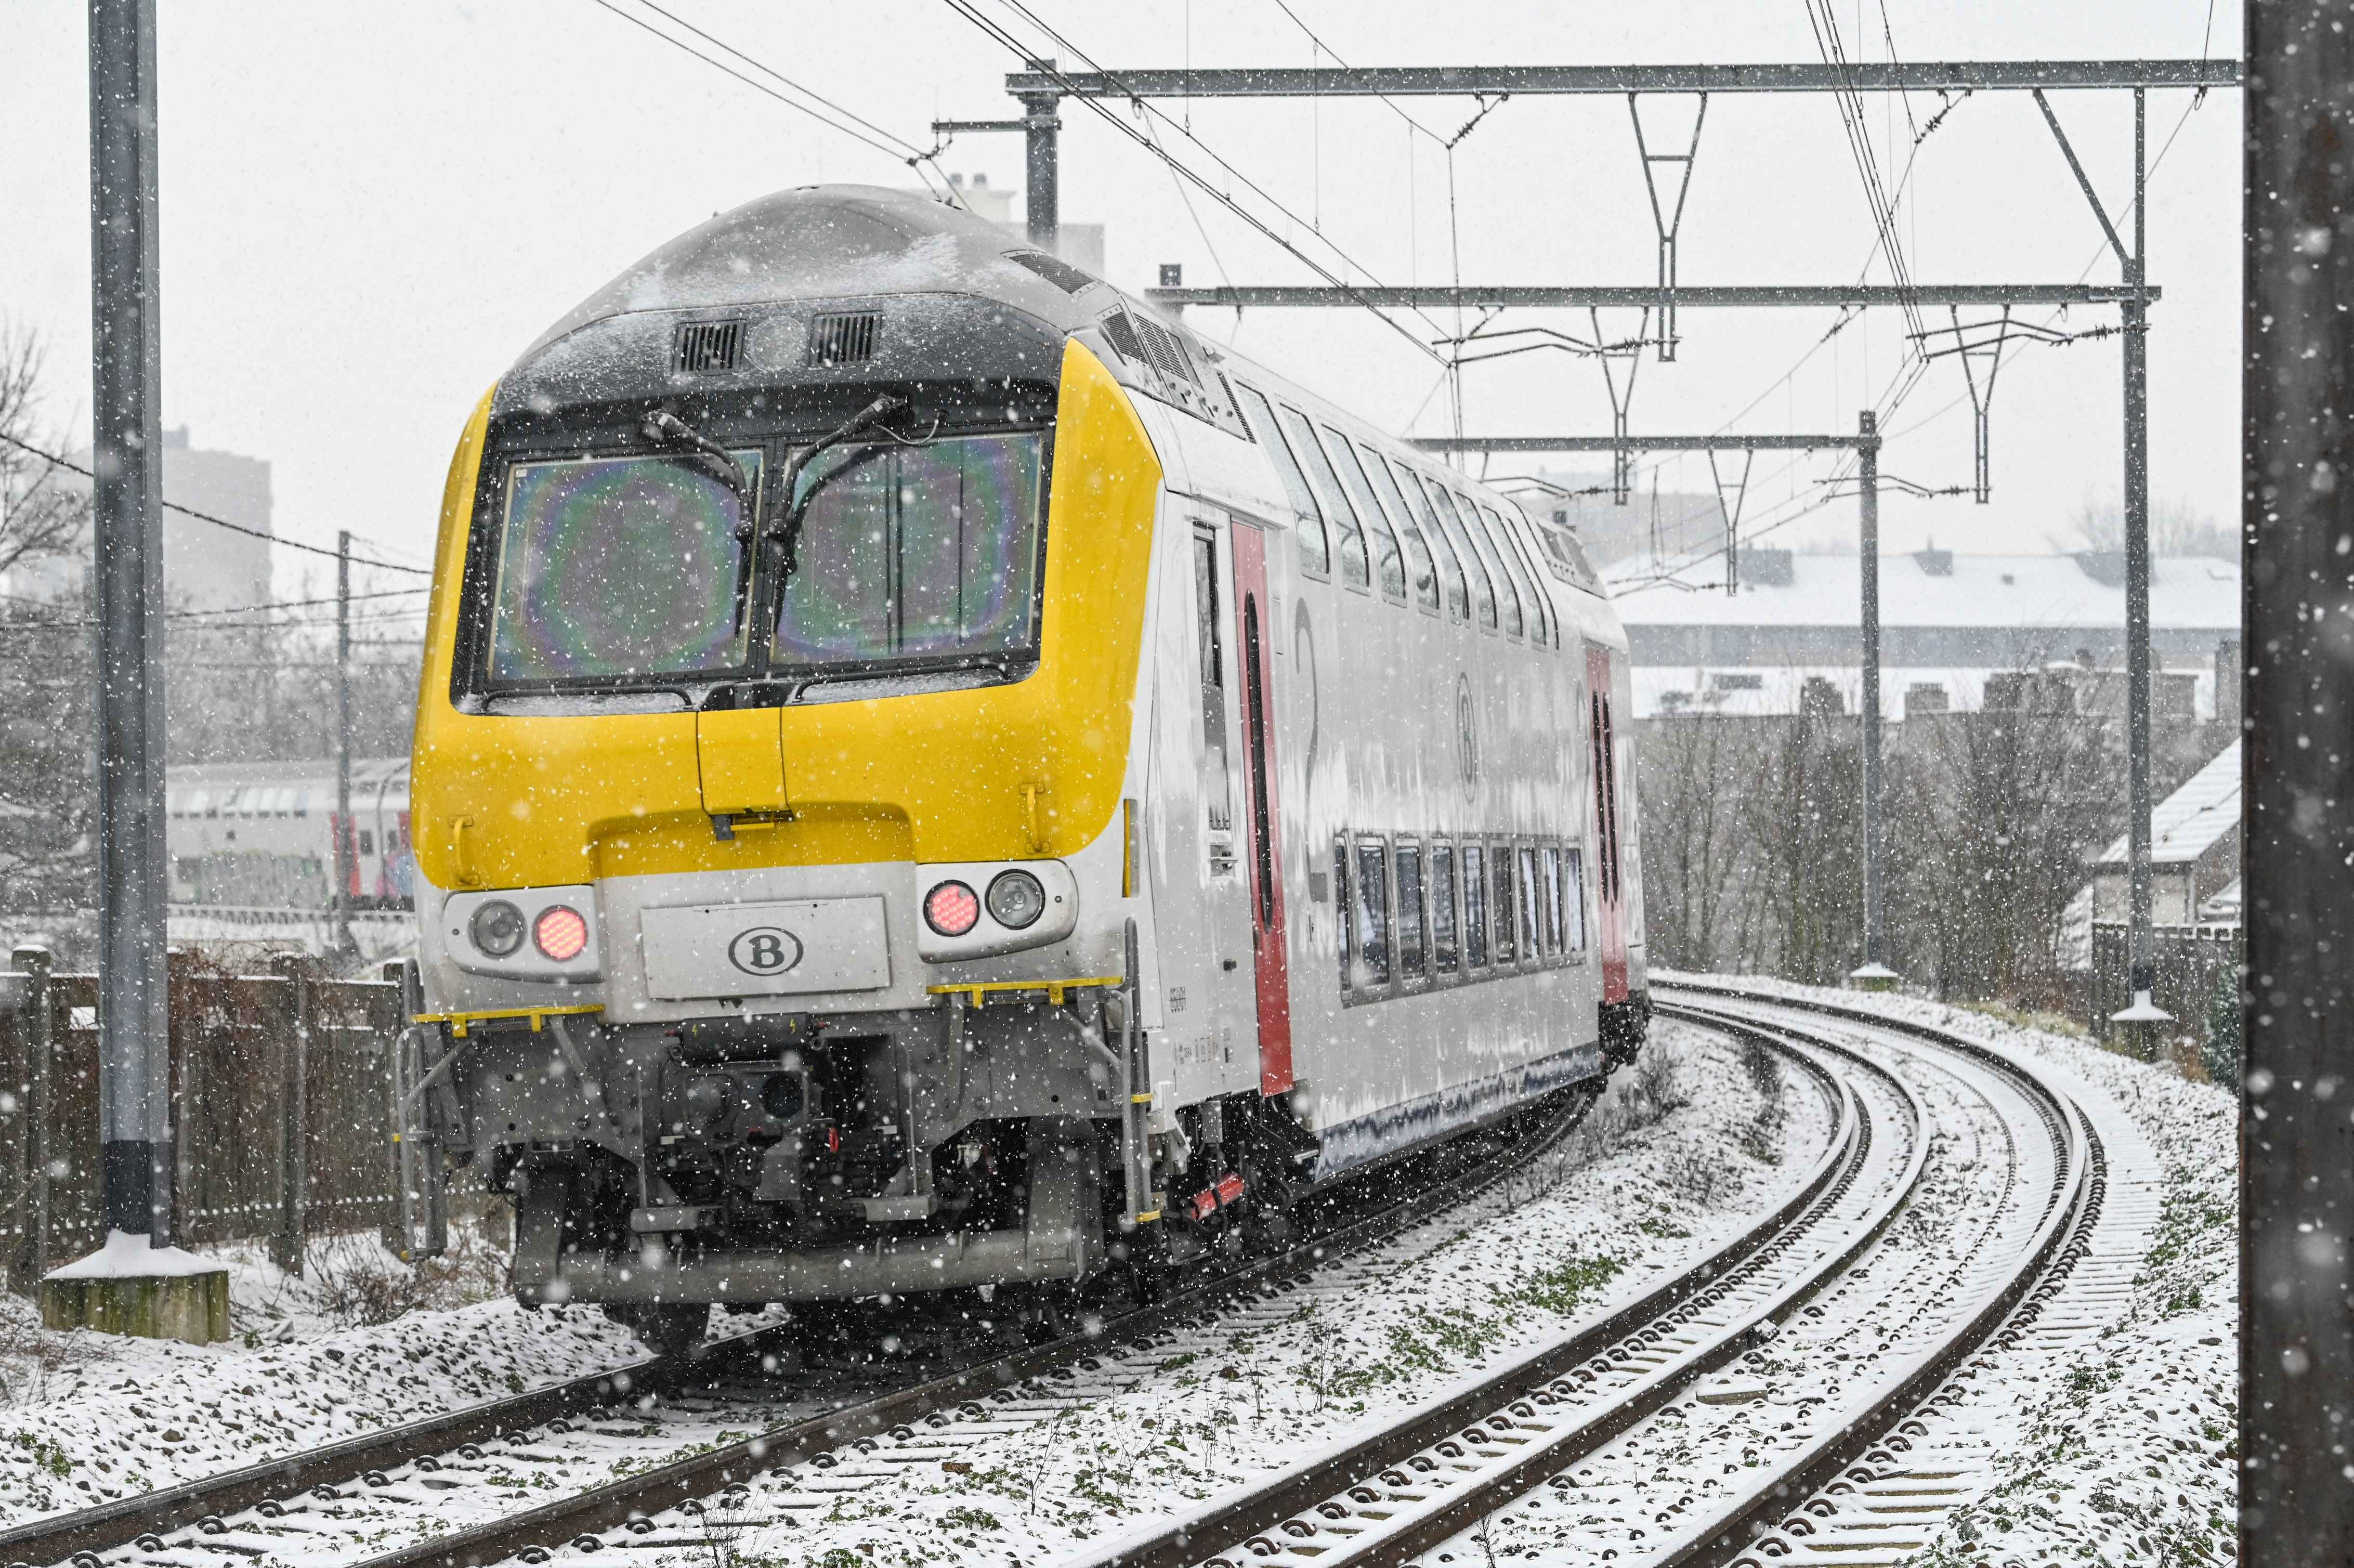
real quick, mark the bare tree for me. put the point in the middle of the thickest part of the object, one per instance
(1996, 812)
(1802, 814)
(2176, 528)
(1692, 772)
(45, 684)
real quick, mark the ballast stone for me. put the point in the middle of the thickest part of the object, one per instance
(150, 1293)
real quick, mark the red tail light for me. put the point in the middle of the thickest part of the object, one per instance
(951, 908)
(560, 933)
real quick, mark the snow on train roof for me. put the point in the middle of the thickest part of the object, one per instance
(2187, 592)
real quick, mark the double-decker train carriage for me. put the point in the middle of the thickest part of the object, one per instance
(929, 777)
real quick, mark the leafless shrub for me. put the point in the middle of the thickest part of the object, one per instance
(31, 1355)
(353, 1281)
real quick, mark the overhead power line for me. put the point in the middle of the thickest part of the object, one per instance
(971, 12)
(222, 521)
(906, 151)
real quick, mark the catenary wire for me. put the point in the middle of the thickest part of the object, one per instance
(966, 9)
(223, 522)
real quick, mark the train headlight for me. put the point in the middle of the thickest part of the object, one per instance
(951, 909)
(497, 928)
(1015, 900)
(559, 932)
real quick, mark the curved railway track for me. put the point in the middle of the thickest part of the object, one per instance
(1667, 1463)
(1572, 1428)
(710, 1421)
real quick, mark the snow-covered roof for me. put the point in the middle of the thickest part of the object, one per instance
(2192, 819)
(2186, 592)
(1756, 690)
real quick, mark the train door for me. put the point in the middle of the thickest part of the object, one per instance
(1255, 634)
(1225, 989)
(1609, 890)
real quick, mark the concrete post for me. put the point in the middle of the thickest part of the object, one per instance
(1873, 974)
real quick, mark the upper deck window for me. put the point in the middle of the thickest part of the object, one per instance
(917, 553)
(618, 566)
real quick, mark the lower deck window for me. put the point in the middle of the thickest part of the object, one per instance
(1533, 930)
(1475, 906)
(1411, 953)
(1373, 915)
(1507, 947)
(1557, 929)
(1443, 950)
(1573, 898)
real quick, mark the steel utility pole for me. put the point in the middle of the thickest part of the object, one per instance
(2297, 1163)
(346, 864)
(1873, 974)
(2143, 976)
(1041, 185)
(134, 1065)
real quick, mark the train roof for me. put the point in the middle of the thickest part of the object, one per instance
(981, 301)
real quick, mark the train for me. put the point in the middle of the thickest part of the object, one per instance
(250, 850)
(934, 781)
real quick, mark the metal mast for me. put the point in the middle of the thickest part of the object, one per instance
(134, 1067)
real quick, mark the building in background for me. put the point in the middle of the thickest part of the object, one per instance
(1957, 633)
(205, 567)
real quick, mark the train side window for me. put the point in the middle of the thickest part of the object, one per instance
(1508, 598)
(1574, 894)
(1389, 566)
(1517, 566)
(1419, 562)
(1483, 590)
(1217, 792)
(1444, 954)
(1534, 573)
(1450, 570)
(1508, 948)
(1475, 906)
(1413, 955)
(1327, 485)
(368, 841)
(1373, 915)
(1555, 928)
(1315, 551)
(1342, 906)
(1533, 929)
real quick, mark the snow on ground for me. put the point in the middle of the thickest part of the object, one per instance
(85, 1417)
(2133, 1458)
(1597, 1228)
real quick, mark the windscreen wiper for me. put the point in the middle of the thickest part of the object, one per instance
(707, 455)
(787, 530)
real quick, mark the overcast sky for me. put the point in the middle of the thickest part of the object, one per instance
(368, 211)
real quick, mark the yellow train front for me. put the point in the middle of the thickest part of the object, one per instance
(878, 822)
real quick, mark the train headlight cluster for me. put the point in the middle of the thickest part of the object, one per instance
(978, 909)
(525, 933)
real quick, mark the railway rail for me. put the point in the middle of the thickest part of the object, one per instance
(719, 1417)
(1416, 1491)
(1566, 1421)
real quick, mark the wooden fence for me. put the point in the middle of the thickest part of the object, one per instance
(281, 1106)
(2194, 963)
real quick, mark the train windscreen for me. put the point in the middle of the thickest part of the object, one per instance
(917, 553)
(618, 566)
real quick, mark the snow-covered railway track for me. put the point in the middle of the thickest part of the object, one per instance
(1834, 1442)
(519, 1477)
